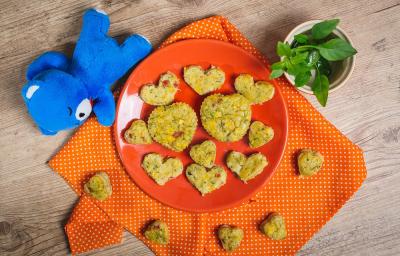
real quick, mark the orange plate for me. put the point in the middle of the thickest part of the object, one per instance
(179, 193)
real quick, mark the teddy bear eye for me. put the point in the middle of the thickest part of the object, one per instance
(83, 110)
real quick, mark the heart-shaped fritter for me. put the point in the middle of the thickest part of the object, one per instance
(256, 93)
(259, 134)
(138, 133)
(173, 126)
(99, 186)
(230, 237)
(226, 117)
(204, 153)
(246, 168)
(157, 232)
(274, 227)
(309, 162)
(202, 81)
(205, 180)
(163, 93)
(159, 170)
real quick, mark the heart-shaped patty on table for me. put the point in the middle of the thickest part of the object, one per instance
(256, 93)
(226, 117)
(204, 153)
(138, 133)
(173, 126)
(246, 168)
(205, 180)
(159, 170)
(259, 134)
(163, 93)
(230, 237)
(202, 81)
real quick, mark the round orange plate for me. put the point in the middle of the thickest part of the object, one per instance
(179, 193)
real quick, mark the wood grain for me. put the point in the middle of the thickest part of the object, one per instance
(35, 202)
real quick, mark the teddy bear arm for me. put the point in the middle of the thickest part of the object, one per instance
(46, 61)
(104, 108)
(47, 132)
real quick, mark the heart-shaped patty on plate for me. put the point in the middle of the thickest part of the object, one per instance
(163, 93)
(256, 93)
(173, 126)
(246, 168)
(226, 117)
(204, 153)
(202, 81)
(159, 170)
(259, 134)
(205, 180)
(230, 237)
(138, 133)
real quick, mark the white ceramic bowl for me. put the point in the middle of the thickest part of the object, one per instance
(341, 70)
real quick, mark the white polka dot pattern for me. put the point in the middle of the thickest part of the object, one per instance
(306, 204)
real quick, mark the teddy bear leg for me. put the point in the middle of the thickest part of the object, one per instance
(135, 48)
(95, 24)
(104, 108)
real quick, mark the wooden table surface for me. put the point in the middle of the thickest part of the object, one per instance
(35, 202)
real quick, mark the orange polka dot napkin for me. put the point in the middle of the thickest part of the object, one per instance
(306, 204)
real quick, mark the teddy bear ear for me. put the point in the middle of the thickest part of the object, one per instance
(29, 90)
(46, 61)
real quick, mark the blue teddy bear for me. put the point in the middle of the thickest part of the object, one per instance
(61, 92)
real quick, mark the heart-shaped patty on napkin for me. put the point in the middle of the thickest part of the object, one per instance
(138, 133)
(230, 237)
(204, 153)
(202, 81)
(98, 186)
(157, 232)
(256, 93)
(309, 162)
(246, 168)
(159, 170)
(205, 180)
(163, 93)
(173, 126)
(274, 227)
(226, 117)
(259, 134)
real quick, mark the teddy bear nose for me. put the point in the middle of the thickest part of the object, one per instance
(81, 114)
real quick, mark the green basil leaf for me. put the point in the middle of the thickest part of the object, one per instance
(312, 58)
(278, 65)
(302, 78)
(300, 57)
(295, 69)
(301, 38)
(276, 73)
(324, 67)
(291, 69)
(283, 49)
(324, 28)
(320, 88)
(336, 49)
